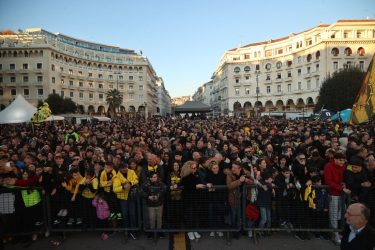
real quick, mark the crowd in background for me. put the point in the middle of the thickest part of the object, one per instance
(93, 173)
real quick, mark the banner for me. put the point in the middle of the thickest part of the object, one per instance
(42, 114)
(364, 106)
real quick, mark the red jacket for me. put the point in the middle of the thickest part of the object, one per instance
(334, 177)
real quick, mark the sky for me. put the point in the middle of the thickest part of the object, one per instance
(183, 40)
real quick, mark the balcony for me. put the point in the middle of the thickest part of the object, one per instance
(278, 80)
(316, 73)
(279, 93)
(307, 75)
(288, 79)
(269, 81)
(38, 71)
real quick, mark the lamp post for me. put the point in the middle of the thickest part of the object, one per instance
(257, 93)
(145, 104)
(117, 73)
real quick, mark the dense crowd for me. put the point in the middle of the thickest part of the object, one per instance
(92, 173)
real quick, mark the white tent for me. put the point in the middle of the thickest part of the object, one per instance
(102, 118)
(54, 118)
(18, 111)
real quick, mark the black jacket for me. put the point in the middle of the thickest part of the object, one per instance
(365, 240)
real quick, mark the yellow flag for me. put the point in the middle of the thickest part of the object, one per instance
(42, 114)
(364, 106)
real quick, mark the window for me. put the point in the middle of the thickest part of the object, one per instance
(53, 67)
(131, 87)
(299, 72)
(317, 55)
(237, 91)
(140, 78)
(40, 92)
(109, 59)
(278, 65)
(268, 77)
(361, 65)
(348, 51)
(247, 69)
(279, 51)
(268, 66)
(308, 84)
(130, 78)
(308, 70)
(346, 35)
(247, 56)
(62, 94)
(101, 96)
(359, 34)
(26, 92)
(361, 51)
(53, 91)
(257, 67)
(71, 94)
(247, 91)
(121, 77)
(25, 66)
(12, 66)
(80, 73)
(80, 84)
(121, 86)
(1, 91)
(237, 80)
(278, 75)
(268, 52)
(289, 87)
(91, 85)
(140, 87)
(1, 79)
(100, 86)
(25, 79)
(131, 97)
(299, 85)
(308, 58)
(71, 83)
(110, 77)
(140, 98)
(299, 59)
(247, 78)
(62, 81)
(13, 92)
(91, 96)
(1, 66)
(62, 69)
(80, 95)
(40, 78)
(110, 86)
(349, 64)
(289, 63)
(289, 73)
(237, 69)
(90, 74)
(39, 66)
(12, 79)
(317, 67)
(335, 65)
(100, 76)
(278, 88)
(268, 89)
(317, 83)
(335, 52)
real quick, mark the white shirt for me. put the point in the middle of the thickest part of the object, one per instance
(354, 232)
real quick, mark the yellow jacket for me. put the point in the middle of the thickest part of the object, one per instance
(73, 183)
(120, 180)
(104, 182)
(88, 191)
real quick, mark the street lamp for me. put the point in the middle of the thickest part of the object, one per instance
(257, 93)
(145, 104)
(117, 73)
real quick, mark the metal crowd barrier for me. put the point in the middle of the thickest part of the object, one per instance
(294, 211)
(22, 211)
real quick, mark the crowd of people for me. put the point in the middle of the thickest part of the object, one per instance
(195, 173)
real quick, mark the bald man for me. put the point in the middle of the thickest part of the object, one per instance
(358, 234)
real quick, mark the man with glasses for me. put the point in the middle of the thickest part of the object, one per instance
(334, 177)
(358, 234)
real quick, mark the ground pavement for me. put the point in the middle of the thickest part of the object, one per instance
(92, 241)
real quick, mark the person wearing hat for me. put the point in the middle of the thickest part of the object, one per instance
(356, 179)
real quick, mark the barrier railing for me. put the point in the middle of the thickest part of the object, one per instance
(22, 211)
(28, 211)
(298, 211)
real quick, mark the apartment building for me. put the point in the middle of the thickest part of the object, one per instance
(286, 74)
(36, 63)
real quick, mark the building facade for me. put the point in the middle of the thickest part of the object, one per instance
(36, 63)
(286, 74)
(164, 99)
(203, 94)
